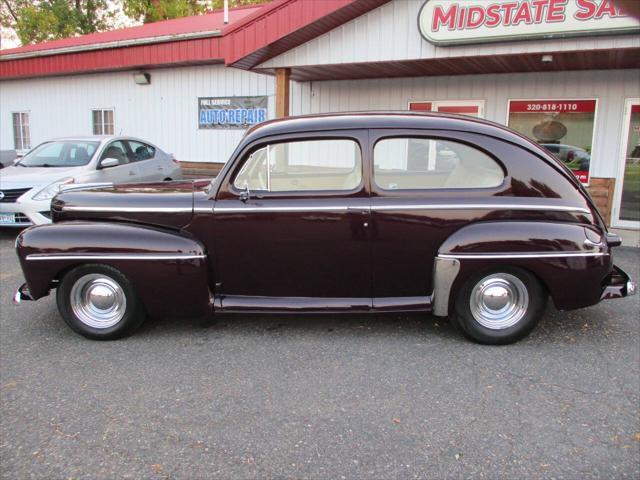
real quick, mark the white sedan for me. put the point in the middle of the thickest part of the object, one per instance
(27, 187)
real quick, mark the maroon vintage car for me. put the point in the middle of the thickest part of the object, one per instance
(362, 212)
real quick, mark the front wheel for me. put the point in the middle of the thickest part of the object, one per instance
(501, 307)
(99, 302)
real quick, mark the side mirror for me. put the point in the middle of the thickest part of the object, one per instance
(109, 162)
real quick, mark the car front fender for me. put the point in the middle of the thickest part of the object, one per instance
(169, 270)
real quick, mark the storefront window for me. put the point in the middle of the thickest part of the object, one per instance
(564, 127)
(630, 201)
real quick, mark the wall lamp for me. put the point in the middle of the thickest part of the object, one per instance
(142, 78)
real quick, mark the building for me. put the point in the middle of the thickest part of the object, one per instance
(564, 72)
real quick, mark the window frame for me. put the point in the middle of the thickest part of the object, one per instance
(102, 111)
(228, 190)
(381, 134)
(21, 126)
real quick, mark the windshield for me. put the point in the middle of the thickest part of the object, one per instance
(60, 154)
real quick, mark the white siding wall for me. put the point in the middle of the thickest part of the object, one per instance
(165, 112)
(390, 32)
(610, 87)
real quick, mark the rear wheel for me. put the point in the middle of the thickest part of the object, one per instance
(99, 302)
(501, 307)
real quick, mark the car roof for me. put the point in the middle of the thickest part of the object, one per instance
(99, 138)
(95, 138)
(386, 119)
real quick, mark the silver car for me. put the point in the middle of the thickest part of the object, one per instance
(27, 187)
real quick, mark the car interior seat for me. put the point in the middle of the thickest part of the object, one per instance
(81, 156)
(115, 152)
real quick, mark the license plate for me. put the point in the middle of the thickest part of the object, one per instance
(6, 218)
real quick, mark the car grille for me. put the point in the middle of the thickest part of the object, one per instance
(11, 195)
(22, 219)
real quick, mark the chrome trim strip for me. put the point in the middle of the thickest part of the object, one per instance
(445, 272)
(382, 208)
(311, 208)
(84, 186)
(326, 208)
(481, 206)
(122, 256)
(485, 256)
(128, 209)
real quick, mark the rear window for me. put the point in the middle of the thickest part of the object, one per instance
(424, 163)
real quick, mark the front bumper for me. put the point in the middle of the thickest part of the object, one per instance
(22, 294)
(26, 211)
(618, 285)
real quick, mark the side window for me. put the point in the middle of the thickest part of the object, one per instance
(422, 163)
(117, 150)
(141, 151)
(309, 165)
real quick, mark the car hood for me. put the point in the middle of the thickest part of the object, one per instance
(165, 204)
(29, 177)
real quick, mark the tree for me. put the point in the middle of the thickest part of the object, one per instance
(41, 20)
(155, 10)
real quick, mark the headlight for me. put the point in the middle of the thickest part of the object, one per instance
(48, 192)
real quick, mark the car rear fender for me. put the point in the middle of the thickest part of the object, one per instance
(169, 270)
(571, 260)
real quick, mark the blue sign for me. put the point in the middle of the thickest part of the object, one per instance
(231, 112)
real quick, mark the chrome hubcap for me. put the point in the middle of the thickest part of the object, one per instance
(98, 301)
(499, 301)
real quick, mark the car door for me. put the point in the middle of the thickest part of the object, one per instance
(291, 225)
(125, 172)
(424, 187)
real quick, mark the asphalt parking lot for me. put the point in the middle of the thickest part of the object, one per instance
(318, 397)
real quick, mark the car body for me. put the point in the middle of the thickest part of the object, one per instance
(26, 190)
(362, 212)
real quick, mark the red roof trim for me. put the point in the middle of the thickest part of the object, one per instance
(188, 52)
(285, 25)
(210, 22)
(252, 38)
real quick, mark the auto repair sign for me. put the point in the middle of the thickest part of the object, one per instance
(231, 112)
(447, 22)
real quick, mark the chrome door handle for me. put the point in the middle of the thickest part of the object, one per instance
(131, 173)
(592, 244)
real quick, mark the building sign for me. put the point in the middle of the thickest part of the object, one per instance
(231, 112)
(564, 127)
(447, 22)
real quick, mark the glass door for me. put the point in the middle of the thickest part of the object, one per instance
(627, 197)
